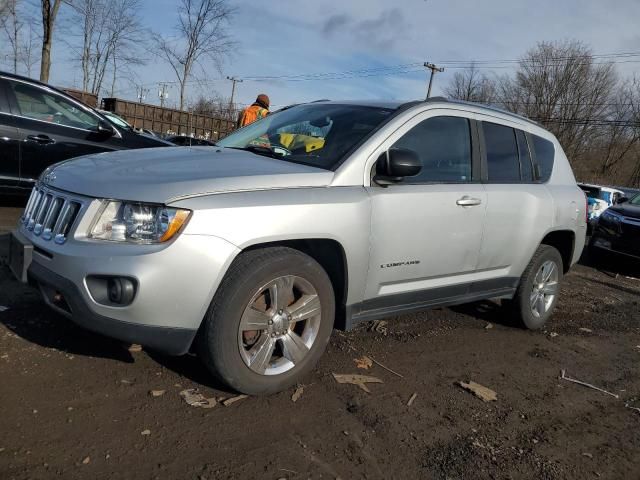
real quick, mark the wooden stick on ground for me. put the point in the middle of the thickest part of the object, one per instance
(584, 384)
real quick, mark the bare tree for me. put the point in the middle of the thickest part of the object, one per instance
(49, 13)
(560, 85)
(110, 32)
(471, 85)
(125, 37)
(621, 131)
(201, 33)
(17, 25)
(4, 7)
(215, 106)
(29, 49)
(11, 25)
(89, 14)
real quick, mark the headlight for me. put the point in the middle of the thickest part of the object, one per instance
(137, 222)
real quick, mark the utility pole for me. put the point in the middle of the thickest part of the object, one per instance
(142, 94)
(234, 80)
(162, 93)
(434, 69)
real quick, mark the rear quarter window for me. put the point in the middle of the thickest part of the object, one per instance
(545, 153)
(503, 164)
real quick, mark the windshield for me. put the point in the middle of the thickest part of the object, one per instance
(118, 121)
(318, 135)
(635, 200)
(606, 196)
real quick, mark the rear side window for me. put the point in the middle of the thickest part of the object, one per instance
(444, 146)
(545, 153)
(502, 153)
(526, 166)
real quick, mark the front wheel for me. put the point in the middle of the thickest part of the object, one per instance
(539, 288)
(269, 322)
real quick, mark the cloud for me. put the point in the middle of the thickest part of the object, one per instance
(334, 23)
(381, 31)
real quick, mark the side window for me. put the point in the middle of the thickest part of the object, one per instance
(444, 146)
(526, 166)
(502, 153)
(4, 103)
(39, 104)
(545, 152)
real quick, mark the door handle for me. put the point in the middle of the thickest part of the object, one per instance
(467, 201)
(41, 139)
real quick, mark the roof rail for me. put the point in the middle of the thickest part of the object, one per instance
(437, 99)
(492, 108)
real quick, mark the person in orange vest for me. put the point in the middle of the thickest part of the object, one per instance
(259, 109)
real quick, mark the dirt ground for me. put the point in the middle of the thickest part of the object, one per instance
(77, 405)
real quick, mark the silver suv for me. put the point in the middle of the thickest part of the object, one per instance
(317, 217)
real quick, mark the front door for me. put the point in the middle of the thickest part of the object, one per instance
(426, 231)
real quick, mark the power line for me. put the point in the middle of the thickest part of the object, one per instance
(409, 68)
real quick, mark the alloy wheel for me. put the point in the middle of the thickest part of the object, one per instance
(279, 325)
(545, 288)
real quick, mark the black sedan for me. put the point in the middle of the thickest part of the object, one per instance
(40, 126)
(618, 228)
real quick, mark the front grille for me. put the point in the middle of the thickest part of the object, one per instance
(50, 214)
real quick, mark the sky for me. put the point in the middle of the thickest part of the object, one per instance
(278, 38)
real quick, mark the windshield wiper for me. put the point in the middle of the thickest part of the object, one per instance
(259, 150)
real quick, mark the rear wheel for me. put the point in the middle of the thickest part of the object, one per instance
(539, 288)
(269, 322)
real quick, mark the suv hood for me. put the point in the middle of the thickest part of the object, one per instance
(163, 175)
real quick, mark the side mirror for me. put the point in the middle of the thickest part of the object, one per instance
(395, 164)
(621, 200)
(105, 129)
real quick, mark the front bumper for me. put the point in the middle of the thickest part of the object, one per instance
(175, 285)
(66, 298)
(609, 238)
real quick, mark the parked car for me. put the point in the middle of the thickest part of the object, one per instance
(252, 252)
(40, 125)
(599, 199)
(186, 141)
(120, 122)
(618, 229)
(116, 119)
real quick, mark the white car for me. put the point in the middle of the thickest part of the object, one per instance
(599, 198)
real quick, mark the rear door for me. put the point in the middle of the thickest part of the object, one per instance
(426, 231)
(519, 207)
(9, 143)
(53, 127)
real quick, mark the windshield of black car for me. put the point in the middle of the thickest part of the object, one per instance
(117, 121)
(635, 200)
(318, 135)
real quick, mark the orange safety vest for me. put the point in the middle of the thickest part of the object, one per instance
(251, 114)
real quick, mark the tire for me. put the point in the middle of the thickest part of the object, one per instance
(535, 316)
(234, 341)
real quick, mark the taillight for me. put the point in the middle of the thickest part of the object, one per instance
(586, 208)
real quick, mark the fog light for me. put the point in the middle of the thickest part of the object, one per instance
(121, 290)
